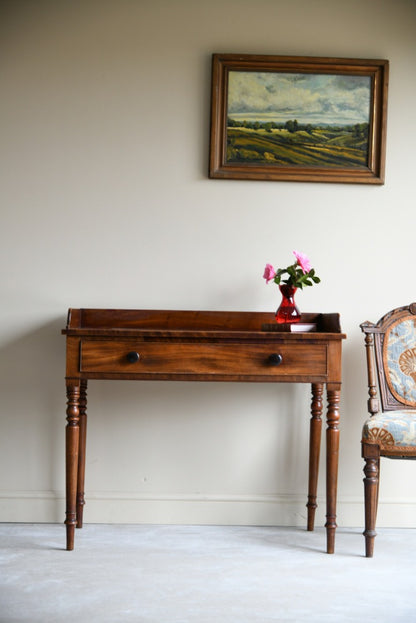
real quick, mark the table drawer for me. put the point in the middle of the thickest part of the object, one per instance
(202, 358)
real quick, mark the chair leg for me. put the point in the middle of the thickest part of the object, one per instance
(371, 487)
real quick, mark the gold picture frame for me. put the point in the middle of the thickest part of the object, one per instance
(297, 118)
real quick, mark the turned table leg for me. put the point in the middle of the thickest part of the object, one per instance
(71, 454)
(81, 454)
(314, 450)
(332, 450)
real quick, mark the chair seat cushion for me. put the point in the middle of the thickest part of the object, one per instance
(392, 429)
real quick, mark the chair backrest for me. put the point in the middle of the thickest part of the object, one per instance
(391, 357)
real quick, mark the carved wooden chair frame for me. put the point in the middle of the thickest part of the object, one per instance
(373, 449)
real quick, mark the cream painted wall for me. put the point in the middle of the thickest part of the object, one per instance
(105, 202)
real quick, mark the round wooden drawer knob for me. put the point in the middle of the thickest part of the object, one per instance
(132, 356)
(275, 359)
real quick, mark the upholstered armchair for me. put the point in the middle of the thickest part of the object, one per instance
(390, 431)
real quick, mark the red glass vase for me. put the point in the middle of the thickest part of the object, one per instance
(287, 311)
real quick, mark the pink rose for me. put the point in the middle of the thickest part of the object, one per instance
(269, 273)
(303, 261)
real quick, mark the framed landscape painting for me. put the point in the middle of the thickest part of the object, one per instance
(293, 118)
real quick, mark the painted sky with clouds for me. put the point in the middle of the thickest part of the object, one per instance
(309, 98)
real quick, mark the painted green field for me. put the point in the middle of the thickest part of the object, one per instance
(320, 147)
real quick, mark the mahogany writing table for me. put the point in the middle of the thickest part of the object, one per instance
(201, 346)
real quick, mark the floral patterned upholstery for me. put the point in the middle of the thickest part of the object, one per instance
(392, 429)
(399, 359)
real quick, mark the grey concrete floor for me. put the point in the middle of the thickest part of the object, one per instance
(204, 574)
